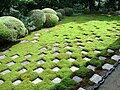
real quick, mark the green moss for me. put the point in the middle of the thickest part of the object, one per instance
(51, 20)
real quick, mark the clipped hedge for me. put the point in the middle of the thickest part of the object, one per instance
(36, 19)
(11, 28)
(49, 10)
(68, 11)
(62, 11)
(60, 16)
(51, 20)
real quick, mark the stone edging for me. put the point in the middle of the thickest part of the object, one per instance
(104, 77)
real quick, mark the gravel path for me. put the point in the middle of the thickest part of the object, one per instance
(113, 81)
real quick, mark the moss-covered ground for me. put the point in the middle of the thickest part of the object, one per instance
(76, 41)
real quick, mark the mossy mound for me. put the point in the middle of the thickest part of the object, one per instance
(51, 20)
(62, 11)
(11, 28)
(49, 10)
(60, 16)
(36, 19)
(68, 11)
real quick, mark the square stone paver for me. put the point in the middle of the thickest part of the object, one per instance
(34, 41)
(69, 52)
(24, 41)
(74, 68)
(68, 47)
(56, 60)
(77, 79)
(86, 58)
(40, 62)
(56, 53)
(97, 51)
(15, 56)
(25, 62)
(102, 58)
(17, 82)
(28, 56)
(39, 70)
(71, 59)
(81, 88)
(2, 57)
(42, 54)
(91, 67)
(56, 80)
(84, 52)
(107, 66)
(1, 81)
(96, 78)
(56, 69)
(10, 63)
(110, 50)
(55, 48)
(37, 80)
(56, 44)
(5, 72)
(116, 57)
(22, 70)
(43, 49)
(6, 51)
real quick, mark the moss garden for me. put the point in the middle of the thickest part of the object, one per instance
(57, 50)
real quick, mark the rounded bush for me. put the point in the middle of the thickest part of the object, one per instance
(36, 19)
(59, 15)
(51, 20)
(49, 10)
(62, 11)
(11, 28)
(68, 11)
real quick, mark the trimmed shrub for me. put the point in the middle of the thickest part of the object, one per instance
(49, 10)
(11, 28)
(68, 11)
(62, 11)
(36, 19)
(60, 16)
(51, 20)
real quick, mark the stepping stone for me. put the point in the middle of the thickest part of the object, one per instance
(56, 60)
(39, 70)
(78, 43)
(84, 52)
(22, 70)
(24, 41)
(40, 62)
(69, 52)
(89, 41)
(15, 56)
(77, 79)
(36, 37)
(71, 59)
(5, 72)
(56, 44)
(42, 54)
(43, 49)
(6, 51)
(96, 78)
(56, 80)
(37, 80)
(17, 82)
(56, 53)
(66, 38)
(102, 58)
(56, 69)
(46, 31)
(68, 47)
(97, 51)
(81, 46)
(116, 57)
(34, 41)
(10, 63)
(81, 88)
(110, 50)
(55, 48)
(107, 66)
(25, 62)
(2, 57)
(91, 67)
(73, 68)
(86, 58)
(37, 34)
(28, 56)
(66, 43)
(1, 82)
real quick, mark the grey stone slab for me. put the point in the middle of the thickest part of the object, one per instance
(56, 53)
(40, 62)
(1, 81)
(37, 34)
(107, 66)
(77, 79)
(102, 58)
(15, 56)
(24, 41)
(97, 51)
(5, 72)
(43, 49)
(56, 80)
(36, 81)
(91, 67)
(96, 78)
(41, 55)
(115, 57)
(25, 62)
(84, 52)
(81, 88)
(56, 44)
(22, 70)
(56, 60)
(10, 63)
(55, 48)
(39, 70)
(56, 69)
(71, 59)
(17, 82)
(2, 57)
(6, 51)
(69, 52)
(68, 47)
(110, 50)
(34, 41)
(74, 68)
(86, 58)
(28, 56)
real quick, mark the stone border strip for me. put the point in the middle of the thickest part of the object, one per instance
(96, 86)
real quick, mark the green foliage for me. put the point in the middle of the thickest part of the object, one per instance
(61, 11)
(84, 72)
(36, 19)
(51, 20)
(68, 11)
(59, 15)
(11, 28)
(49, 10)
